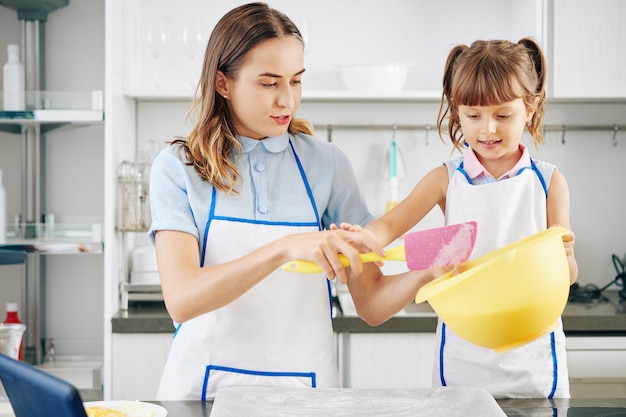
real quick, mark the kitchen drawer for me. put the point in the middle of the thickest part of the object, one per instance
(386, 360)
(596, 363)
(596, 357)
(137, 363)
(597, 367)
(598, 387)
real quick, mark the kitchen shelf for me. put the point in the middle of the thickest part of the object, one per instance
(139, 292)
(60, 238)
(307, 95)
(368, 96)
(44, 115)
(50, 110)
(52, 120)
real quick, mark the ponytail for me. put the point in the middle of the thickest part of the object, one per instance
(448, 107)
(536, 102)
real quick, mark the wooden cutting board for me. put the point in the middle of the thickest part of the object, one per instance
(329, 402)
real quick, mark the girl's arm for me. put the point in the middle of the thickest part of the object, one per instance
(558, 208)
(190, 290)
(378, 297)
(427, 193)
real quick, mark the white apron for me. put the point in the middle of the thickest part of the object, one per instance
(505, 211)
(279, 333)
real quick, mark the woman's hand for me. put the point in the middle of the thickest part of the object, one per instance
(324, 247)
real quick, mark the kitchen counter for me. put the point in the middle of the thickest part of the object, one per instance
(511, 407)
(598, 319)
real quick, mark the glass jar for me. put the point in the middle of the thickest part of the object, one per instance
(133, 183)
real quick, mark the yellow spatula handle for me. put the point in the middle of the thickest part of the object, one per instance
(306, 267)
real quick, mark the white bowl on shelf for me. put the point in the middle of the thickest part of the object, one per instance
(375, 77)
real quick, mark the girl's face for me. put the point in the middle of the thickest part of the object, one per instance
(266, 93)
(494, 132)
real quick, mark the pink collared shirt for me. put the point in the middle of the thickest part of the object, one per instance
(479, 174)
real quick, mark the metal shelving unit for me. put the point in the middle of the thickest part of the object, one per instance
(45, 111)
(34, 238)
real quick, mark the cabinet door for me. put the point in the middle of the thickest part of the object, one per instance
(387, 360)
(589, 48)
(137, 363)
(597, 367)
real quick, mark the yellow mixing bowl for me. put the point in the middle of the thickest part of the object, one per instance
(508, 297)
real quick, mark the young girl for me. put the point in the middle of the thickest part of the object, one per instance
(247, 191)
(492, 91)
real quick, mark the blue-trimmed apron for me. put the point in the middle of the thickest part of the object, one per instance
(279, 333)
(505, 211)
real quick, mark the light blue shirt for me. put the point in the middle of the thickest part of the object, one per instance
(271, 187)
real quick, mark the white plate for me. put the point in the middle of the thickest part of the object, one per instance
(130, 407)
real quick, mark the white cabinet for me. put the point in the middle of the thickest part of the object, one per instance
(386, 360)
(405, 31)
(597, 366)
(589, 48)
(137, 364)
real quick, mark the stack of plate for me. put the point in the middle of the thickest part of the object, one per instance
(144, 266)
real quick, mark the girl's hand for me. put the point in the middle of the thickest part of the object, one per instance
(356, 228)
(347, 226)
(454, 269)
(569, 240)
(352, 228)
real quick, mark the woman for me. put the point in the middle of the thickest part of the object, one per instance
(247, 191)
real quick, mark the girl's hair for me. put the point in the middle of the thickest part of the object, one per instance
(490, 73)
(211, 146)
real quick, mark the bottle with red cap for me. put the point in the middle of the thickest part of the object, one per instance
(12, 318)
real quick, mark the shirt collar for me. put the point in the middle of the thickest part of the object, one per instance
(274, 144)
(474, 168)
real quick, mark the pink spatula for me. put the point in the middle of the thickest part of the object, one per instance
(425, 249)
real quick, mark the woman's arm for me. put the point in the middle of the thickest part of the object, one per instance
(558, 209)
(190, 290)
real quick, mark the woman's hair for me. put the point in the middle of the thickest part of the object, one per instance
(211, 146)
(490, 73)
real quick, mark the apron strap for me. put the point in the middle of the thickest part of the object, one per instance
(306, 185)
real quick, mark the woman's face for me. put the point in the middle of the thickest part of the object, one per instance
(494, 132)
(266, 93)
